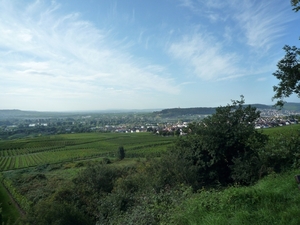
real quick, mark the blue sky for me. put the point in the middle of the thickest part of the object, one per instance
(141, 54)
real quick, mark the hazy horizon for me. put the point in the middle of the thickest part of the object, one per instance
(133, 109)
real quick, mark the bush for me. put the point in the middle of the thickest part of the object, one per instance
(224, 147)
(282, 152)
(121, 153)
(106, 161)
(49, 213)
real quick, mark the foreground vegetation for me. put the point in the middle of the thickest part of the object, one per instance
(273, 200)
(223, 171)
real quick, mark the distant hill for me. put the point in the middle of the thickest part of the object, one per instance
(185, 111)
(174, 112)
(19, 114)
(15, 113)
(261, 106)
(292, 106)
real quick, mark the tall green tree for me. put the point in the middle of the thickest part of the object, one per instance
(224, 147)
(288, 72)
(121, 153)
(231, 141)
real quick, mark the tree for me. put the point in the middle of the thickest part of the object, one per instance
(224, 147)
(296, 5)
(288, 70)
(289, 75)
(230, 137)
(121, 153)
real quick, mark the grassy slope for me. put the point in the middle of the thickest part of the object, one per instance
(9, 211)
(273, 200)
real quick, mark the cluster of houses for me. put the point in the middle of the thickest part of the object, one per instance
(155, 128)
(266, 122)
(178, 127)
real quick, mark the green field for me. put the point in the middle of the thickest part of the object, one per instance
(22, 153)
(284, 129)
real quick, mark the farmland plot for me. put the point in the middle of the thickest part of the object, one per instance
(22, 153)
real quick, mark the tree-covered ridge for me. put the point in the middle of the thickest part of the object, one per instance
(185, 111)
(175, 112)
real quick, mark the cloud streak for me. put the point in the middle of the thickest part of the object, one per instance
(208, 59)
(240, 35)
(68, 56)
(263, 23)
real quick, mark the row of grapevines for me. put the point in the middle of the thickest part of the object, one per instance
(21, 161)
(21, 200)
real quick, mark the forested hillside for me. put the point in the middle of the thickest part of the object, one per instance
(175, 112)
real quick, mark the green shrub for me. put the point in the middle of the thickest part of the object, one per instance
(106, 161)
(121, 153)
(221, 150)
(48, 213)
(282, 152)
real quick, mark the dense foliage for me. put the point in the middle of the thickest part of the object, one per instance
(296, 5)
(1, 214)
(224, 147)
(288, 74)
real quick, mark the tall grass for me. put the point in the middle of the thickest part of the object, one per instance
(273, 200)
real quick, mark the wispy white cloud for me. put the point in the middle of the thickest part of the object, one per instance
(263, 22)
(48, 53)
(262, 79)
(214, 10)
(187, 3)
(207, 59)
(240, 35)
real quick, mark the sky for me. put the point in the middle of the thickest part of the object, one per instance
(78, 55)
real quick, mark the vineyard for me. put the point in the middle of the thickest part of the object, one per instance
(22, 153)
